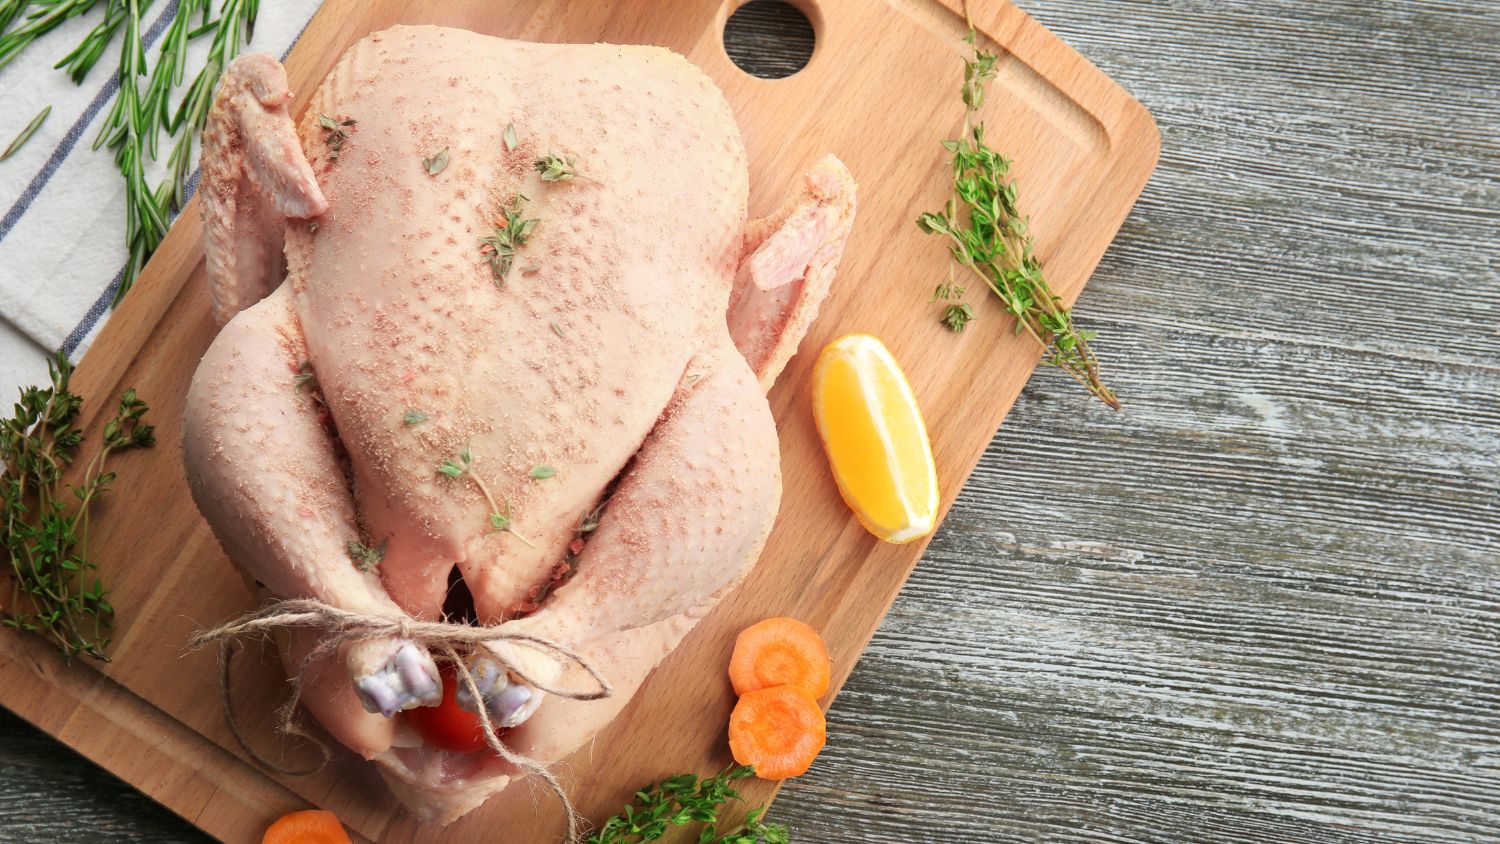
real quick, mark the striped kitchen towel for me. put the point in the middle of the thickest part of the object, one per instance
(62, 233)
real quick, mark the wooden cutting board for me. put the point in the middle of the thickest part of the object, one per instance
(880, 91)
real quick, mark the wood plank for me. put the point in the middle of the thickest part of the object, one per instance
(1083, 148)
(1259, 605)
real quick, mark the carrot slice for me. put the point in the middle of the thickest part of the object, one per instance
(779, 652)
(311, 826)
(777, 731)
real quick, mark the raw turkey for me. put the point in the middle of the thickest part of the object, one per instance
(400, 288)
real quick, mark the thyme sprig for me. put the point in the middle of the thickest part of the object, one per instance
(305, 377)
(988, 235)
(558, 168)
(367, 557)
(338, 132)
(509, 237)
(55, 588)
(686, 799)
(589, 522)
(500, 518)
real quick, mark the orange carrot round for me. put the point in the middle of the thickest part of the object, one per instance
(779, 652)
(311, 826)
(777, 731)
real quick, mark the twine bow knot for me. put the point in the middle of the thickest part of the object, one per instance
(343, 627)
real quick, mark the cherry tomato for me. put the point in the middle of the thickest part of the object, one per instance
(447, 726)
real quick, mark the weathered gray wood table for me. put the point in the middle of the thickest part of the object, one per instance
(1263, 602)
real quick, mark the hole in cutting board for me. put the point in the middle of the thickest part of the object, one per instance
(771, 39)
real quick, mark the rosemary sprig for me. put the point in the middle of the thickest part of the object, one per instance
(83, 58)
(542, 472)
(55, 587)
(21, 139)
(46, 17)
(9, 11)
(557, 168)
(135, 119)
(233, 29)
(462, 465)
(685, 799)
(987, 234)
(509, 237)
(413, 417)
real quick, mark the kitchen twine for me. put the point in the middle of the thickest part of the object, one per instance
(344, 627)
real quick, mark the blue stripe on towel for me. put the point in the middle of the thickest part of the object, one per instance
(101, 306)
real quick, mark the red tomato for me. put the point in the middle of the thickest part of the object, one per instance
(447, 726)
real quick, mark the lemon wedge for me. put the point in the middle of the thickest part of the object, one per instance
(876, 441)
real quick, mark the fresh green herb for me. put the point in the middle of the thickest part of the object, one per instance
(304, 377)
(130, 130)
(685, 799)
(510, 137)
(587, 524)
(958, 315)
(338, 132)
(435, 164)
(978, 72)
(987, 234)
(556, 168)
(21, 139)
(88, 52)
(459, 465)
(47, 17)
(501, 247)
(947, 290)
(530, 269)
(462, 465)
(558, 330)
(132, 125)
(542, 472)
(590, 521)
(233, 28)
(44, 524)
(413, 417)
(501, 519)
(366, 557)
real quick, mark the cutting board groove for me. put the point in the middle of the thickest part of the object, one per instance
(879, 91)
